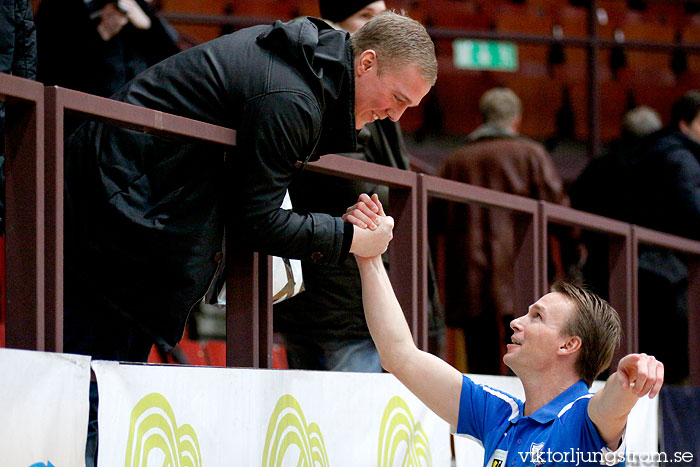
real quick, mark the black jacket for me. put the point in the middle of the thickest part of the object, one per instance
(654, 182)
(145, 216)
(73, 55)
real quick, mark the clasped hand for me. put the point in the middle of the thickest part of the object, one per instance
(374, 229)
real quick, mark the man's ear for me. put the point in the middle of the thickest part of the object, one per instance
(571, 345)
(683, 127)
(366, 61)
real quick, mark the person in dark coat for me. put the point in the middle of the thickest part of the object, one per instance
(598, 189)
(479, 291)
(18, 58)
(657, 185)
(97, 46)
(324, 326)
(145, 215)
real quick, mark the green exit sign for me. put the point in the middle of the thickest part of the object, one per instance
(485, 55)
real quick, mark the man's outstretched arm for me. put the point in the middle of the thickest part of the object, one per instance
(431, 379)
(637, 375)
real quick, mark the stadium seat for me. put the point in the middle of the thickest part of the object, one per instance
(691, 35)
(194, 352)
(215, 352)
(279, 356)
(155, 356)
(651, 32)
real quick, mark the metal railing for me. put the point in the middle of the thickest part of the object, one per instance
(35, 231)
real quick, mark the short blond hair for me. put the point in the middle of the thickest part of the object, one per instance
(500, 106)
(398, 41)
(597, 324)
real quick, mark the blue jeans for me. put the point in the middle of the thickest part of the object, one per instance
(306, 353)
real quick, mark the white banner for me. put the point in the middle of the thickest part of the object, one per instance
(187, 416)
(642, 424)
(43, 408)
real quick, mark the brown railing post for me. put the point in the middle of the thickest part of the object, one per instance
(694, 319)
(622, 288)
(265, 331)
(526, 267)
(543, 250)
(422, 253)
(242, 306)
(54, 217)
(24, 175)
(403, 268)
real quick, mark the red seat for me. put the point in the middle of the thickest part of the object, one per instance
(216, 352)
(193, 351)
(155, 356)
(279, 356)
(691, 35)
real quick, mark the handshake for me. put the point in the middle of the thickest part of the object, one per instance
(373, 229)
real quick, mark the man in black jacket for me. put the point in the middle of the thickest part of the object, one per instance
(324, 327)
(656, 184)
(145, 216)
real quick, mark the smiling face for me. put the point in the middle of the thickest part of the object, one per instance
(538, 339)
(355, 22)
(387, 94)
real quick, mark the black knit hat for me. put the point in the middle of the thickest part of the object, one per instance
(339, 10)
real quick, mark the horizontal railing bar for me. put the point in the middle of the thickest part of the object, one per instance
(565, 215)
(14, 87)
(461, 192)
(333, 164)
(141, 118)
(665, 240)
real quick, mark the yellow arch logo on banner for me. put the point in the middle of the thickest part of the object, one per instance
(400, 436)
(154, 436)
(287, 427)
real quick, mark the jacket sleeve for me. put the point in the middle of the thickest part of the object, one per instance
(547, 184)
(682, 172)
(24, 60)
(278, 130)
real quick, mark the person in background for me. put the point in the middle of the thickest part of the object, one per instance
(97, 46)
(479, 241)
(599, 189)
(656, 184)
(324, 326)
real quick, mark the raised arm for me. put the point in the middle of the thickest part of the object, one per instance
(637, 375)
(431, 379)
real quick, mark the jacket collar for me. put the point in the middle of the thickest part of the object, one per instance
(551, 410)
(325, 57)
(490, 130)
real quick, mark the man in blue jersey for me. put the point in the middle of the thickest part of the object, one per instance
(563, 342)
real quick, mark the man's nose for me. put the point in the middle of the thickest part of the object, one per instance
(515, 324)
(396, 112)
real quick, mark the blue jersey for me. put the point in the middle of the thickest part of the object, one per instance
(560, 433)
